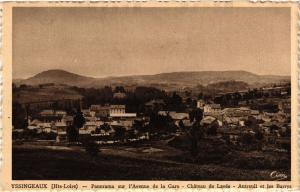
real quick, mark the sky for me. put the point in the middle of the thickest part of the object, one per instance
(102, 42)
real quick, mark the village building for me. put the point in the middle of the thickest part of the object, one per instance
(100, 110)
(237, 112)
(86, 112)
(174, 115)
(186, 123)
(127, 124)
(242, 103)
(213, 110)
(232, 136)
(179, 116)
(61, 128)
(92, 125)
(116, 109)
(40, 126)
(49, 115)
(119, 95)
(231, 121)
(254, 113)
(274, 90)
(50, 112)
(165, 113)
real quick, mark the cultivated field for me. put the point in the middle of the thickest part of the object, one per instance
(32, 162)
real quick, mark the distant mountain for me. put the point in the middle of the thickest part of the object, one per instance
(58, 77)
(166, 81)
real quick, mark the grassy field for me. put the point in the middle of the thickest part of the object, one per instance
(42, 164)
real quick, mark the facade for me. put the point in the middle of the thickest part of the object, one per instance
(49, 115)
(237, 112)
(123, 115)
(49, 112)
(61, 128)
(212, 108)
(100, 111)
(116, 109)
(179, 116)
(127, 124)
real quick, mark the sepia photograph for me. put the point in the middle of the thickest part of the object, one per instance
(151, 93)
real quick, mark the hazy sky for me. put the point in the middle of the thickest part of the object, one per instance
(124, 41)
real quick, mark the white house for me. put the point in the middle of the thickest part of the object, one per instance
(49, 112)
(123, 115)
(118, 111)
(99, 110)
(212, 108)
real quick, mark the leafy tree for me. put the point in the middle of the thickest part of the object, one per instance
(119, 132)
(106, 127)
(259, 135)
(174, 103)
(200, 96)
(23, 86)
(119, 89)
(73, 130)
(247, 138)
(181, 125)
(251, 122)
(140, 126)
(213, 128)
(91, 147)
(161, 123)
(196, 115)
(273, 128)
(19, 119)
(72, 133)
(79, 119)
(196, 133)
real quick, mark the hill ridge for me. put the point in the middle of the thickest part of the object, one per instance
(177, 78)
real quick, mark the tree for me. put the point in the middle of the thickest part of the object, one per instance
(19, 119)
(181, 125)
(196, 133)
(72, 133)
(196, 115)
(175, 102)
(259, 136)
(251, 122)
(119, 132)
(247, 139)
(119, 89)
(79, 119)
(91, 147)
(213, 128)
(105, 127)
(73, 130)
(140, 126)
(200, 96)
(274, 128)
